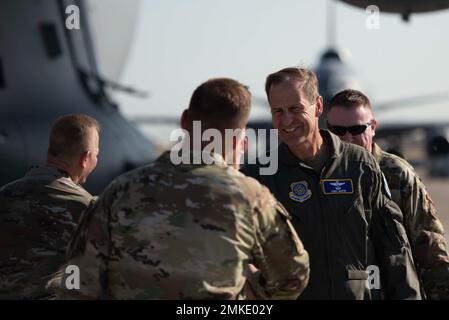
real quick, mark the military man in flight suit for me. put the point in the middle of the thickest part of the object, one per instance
(350, 117)
(339, 201)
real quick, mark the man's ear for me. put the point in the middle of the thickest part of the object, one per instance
(83, 159)
(373, 126)
(243, 140)
(245, 144)
(185, 119)
(319, 106)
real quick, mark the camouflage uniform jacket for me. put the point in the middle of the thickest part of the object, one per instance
(168, 231)
(38, 215)
(347, 222)
(424, 229)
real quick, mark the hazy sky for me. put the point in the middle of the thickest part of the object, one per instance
(181, 43)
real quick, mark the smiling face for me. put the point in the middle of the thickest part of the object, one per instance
(295, 117)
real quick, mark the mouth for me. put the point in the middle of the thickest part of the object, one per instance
(289, 130)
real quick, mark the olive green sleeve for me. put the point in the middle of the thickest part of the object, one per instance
(397, 271)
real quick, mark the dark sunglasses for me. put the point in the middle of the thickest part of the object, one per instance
(354, 130)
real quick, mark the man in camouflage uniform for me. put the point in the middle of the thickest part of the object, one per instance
(337, 197)
(351, 108)
(38, 213)
(190, 231)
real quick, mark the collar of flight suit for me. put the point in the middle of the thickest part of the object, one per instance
(377, 152)
(216, 159)
(333, 141)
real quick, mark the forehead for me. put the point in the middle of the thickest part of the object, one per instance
(286, 93)
(349, 116)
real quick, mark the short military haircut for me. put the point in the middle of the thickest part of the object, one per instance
(307, 79)
(69, 137)
(220, 103)
(349, 99)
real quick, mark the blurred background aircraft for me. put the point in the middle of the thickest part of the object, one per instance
(47, 70)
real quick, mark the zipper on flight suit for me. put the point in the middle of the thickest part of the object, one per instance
(326, 235)
(321, 213)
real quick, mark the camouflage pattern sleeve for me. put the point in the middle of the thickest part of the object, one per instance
(37, 221)
(427, 239)
(89, 250)
(424, 228)
(279, 254)
(398, 275)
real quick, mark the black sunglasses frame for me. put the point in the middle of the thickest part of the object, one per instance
(353, 130)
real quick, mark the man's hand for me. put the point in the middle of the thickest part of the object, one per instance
(436, 283)
(251, 273)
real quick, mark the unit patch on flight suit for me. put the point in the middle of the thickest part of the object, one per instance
(300, 191)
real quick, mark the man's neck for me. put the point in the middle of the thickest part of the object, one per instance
(201, 148)
(61, 165)
(310, 149)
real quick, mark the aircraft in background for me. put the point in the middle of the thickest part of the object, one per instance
(404, 7)
(47, 71)
(423, 117)
(397, 119)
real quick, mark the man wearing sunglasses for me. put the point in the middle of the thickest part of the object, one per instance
(339, 203)
(350, 117)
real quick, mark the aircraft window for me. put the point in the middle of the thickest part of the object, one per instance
(51, 40)
(2, 76)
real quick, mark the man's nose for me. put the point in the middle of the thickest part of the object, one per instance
(286, 119)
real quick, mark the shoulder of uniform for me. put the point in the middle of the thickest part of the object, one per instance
(248, 181)
(393, 164)
(255, 192)
(19, 186)
(395, 161)
(238, 178)
(132, 176)
(10, 186)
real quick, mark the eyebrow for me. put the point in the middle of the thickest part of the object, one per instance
(300, 105)
(297, 105)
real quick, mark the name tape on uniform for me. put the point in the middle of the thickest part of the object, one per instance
(337, 186)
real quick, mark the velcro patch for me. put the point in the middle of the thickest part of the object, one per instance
(337, 186)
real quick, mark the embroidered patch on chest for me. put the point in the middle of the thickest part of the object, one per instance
(300, 191)
(337, 186)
